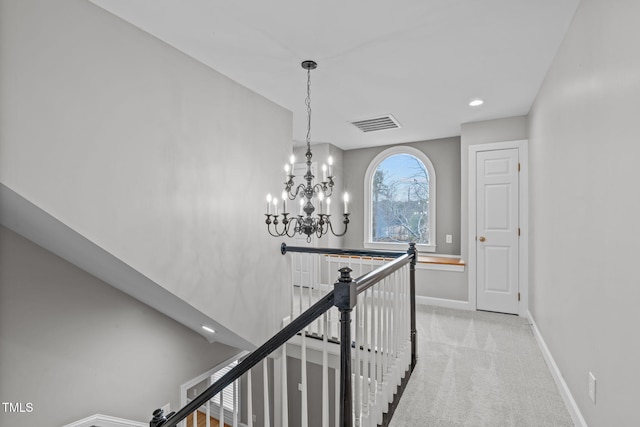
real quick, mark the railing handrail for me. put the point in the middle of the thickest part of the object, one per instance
(369, 279)
(284, 248)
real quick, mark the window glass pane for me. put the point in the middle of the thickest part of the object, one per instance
(400, 201)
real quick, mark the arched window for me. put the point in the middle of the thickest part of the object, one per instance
(400, 196)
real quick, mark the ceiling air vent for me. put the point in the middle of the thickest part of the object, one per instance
(377, 123)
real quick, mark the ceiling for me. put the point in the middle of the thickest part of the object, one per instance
(422, 61)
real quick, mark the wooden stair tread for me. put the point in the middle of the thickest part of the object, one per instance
(202, 421)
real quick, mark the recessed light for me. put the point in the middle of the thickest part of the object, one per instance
(476, 103)
(208, 329)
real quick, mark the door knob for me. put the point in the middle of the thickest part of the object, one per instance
(482, 238)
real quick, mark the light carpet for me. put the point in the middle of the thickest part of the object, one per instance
(478, 369)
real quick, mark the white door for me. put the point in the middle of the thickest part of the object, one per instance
(497, 230)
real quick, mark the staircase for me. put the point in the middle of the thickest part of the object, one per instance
(351, 345)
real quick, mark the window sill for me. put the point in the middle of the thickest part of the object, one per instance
(425, 262)
(442, 263)
(400, 247)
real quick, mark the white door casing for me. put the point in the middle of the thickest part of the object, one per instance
(497, 224)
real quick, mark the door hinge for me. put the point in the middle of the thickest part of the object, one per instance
(518, 296)
(518, 231)
(518, 167)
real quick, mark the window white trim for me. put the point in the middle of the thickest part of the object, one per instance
(184, 399)
(368, 180)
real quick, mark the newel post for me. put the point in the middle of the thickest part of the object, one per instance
(345, 297)
(412, 296)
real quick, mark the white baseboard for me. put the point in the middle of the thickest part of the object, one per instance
(106, 421)
(443, 302)
(567, 397)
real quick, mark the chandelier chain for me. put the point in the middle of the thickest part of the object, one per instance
(308, 104)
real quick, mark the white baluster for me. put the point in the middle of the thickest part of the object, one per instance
(391, 378)
(221, 419)
(396, 332)
(366, 359)
(303, 362)
(385, 338)
(379, 334)
(291, 293)
(336, 393)
(195, 413)
(293, 283)
(396, 316)
(249, 400)
(208, 405)
(285, 398)
(357, 384)
(325, 371)
(235, 404)
(318, 288)
(329, 331)
(265, 391)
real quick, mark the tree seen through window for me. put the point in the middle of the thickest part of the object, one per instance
(400, 201)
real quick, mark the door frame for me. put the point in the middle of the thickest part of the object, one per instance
(523, 216)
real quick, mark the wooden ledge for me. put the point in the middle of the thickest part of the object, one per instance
(422, 259)
(426, 259)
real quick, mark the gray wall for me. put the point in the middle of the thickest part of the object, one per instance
(445, 156)
(584, 209)
(314, 393)
(484, 132)
(474, 133)
(74, 346)
(157, 159)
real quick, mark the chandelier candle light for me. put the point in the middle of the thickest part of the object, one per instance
(306, 222)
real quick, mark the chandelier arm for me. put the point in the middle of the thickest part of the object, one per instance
(275, 222)
(327, 191)
(293, 229)
(292, 195)
(345, 222)
(277, 234)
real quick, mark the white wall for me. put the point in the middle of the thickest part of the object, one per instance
(584, 209)
(147, 153)
(73, 346)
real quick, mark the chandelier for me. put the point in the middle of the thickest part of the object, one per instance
(281, 222)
